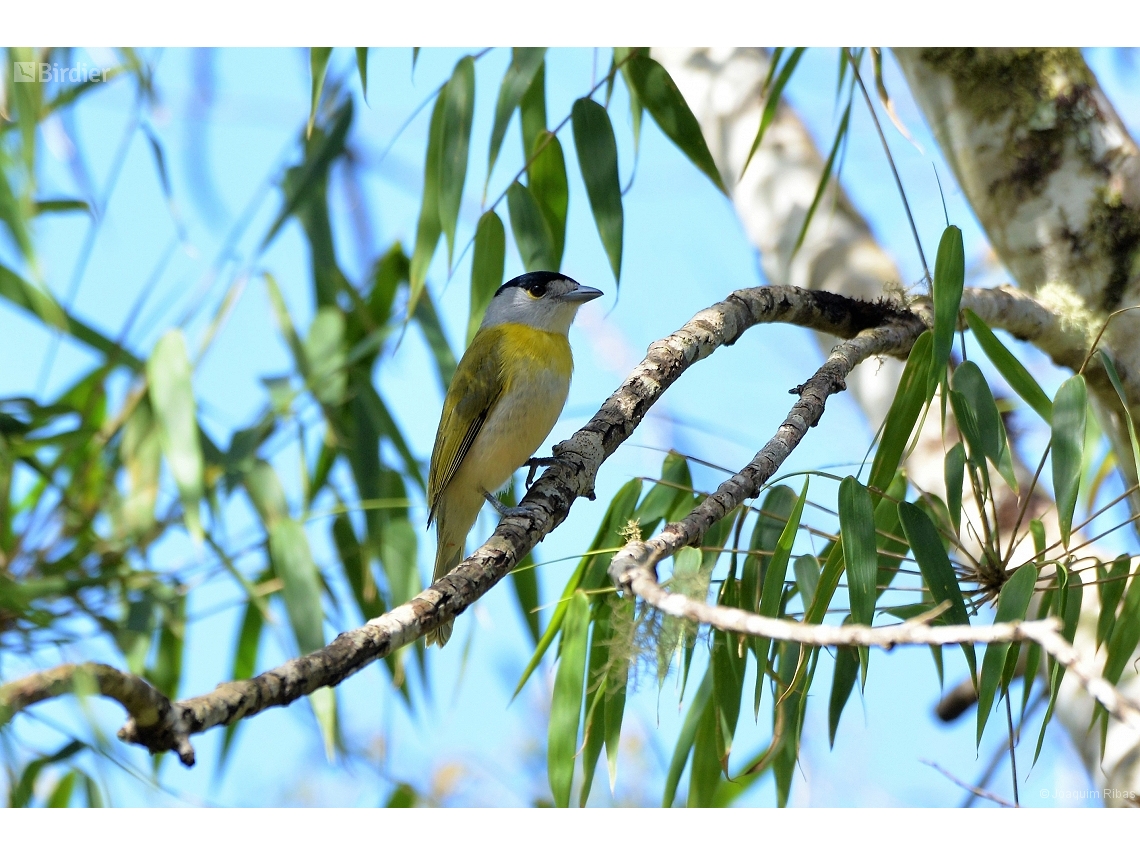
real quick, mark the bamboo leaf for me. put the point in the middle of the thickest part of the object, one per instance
(842, 682)
(362, 70)
(532, 110)
(773, 100)
(824, 179)
(1112, 579)
(1015, 374)
(525, 64)
(936, 570)
(455, 140)
(172, 398)
(806, 568)
(1110, 370)
(293, 565)
(954, 466)
(318, 68)
(686, 738)
(531, 231)
(592, 567)
(860, 553)
(983, 422)
(546, 180)
(597, 159)
(665, 103)
(949, 279)
(1069, 407)
(772, 589)
(1013, 604)
(429, 227)
(596, 690)
(486, 268)
(910, 397)
(566, 704)
(1125, 633)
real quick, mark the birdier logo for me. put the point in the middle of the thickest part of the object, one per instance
(53, 72)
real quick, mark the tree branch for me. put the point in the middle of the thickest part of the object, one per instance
(161, 725)
(873, 328)
(633, 568)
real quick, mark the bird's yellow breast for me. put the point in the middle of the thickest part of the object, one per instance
(528, 352)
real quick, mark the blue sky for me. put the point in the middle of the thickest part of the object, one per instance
(684, 250)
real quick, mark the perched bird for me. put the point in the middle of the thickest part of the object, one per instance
(508, 391)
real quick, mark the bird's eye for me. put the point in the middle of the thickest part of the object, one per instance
(537, 290)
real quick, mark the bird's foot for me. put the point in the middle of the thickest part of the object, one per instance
(500, 508)
(535, 463)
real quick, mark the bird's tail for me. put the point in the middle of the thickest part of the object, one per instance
(445, 561)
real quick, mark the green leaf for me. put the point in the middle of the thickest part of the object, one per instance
(728, 662)
(323, 702)
(824, 178)
(982, 423)
(772, 589)
(531, 231)
(61, 206)
(891, 543)
(1015, 374)
(532, 110)
(21, 794)
(44, 307)
(686, 738)
(61, 796)
(525, 64)
(705, 770)
(566, 704)
(596, 689)
(1125, 633)
(860, 553)
(546, 180)
(597, 159)
(455, 140)
(774, 515)
(1110, 370)
(636, 108)
(842, 682)
(404, 796)
(591, 569)
(318, 68)
(325, 356)
(1068, 449)
(665, 103)
(954, 466)
(1112, 580)
(15, 214)
(618, 677)
(806, 568)
(362, 70)
(357, 569)
(486, 268)
(910, 397)
(319, 156)
(293, 565)
(428, 319)
(172, 398)
(936, 569)
(1013, 604)
(1066, 605)
(949, 279)
(430, 226)
(773, 100)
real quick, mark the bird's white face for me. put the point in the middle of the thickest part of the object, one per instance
(545, 301)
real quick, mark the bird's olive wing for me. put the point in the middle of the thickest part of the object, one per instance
(474, 390)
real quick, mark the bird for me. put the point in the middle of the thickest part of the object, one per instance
(504, 398)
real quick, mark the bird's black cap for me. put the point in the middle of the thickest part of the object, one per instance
(529, 280)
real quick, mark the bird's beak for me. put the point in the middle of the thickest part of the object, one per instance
(581, 294)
